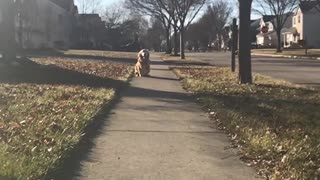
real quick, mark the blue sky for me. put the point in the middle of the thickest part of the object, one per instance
(104, 2)
(109, 2)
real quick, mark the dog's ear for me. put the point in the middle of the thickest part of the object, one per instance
(147, 54)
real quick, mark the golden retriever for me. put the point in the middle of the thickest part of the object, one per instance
(142, 67)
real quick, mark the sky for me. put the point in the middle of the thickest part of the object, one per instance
(109, 2)
(104, 2)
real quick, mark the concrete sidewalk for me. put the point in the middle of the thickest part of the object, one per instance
(285, 56)
(156, 132)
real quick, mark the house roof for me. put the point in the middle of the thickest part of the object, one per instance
(93, 18)
(266, 34)
(291, 30)
(66, 4)
(306, 6)
(255, 23)
(89, 16)
(268, 18)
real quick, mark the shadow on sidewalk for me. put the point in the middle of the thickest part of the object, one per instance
(164, 78)
(72, 165)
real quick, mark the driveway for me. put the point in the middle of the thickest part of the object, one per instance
(298, 71)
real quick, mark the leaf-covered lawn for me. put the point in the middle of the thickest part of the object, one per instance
(43, 115)
(276, 125)
(108, 54)
(103, 69)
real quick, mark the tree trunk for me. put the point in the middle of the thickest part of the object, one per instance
(245, 70)
(182, 55)
(168, 39)
(234, 44)
(176, 41)
(279, 45)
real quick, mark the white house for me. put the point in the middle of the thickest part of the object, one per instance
(45, 23)
(305, 26)
(268, 38)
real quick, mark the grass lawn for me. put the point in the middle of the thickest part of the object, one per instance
(175, 60)
(290, 52)
(109, 54)
(46, 105)
(275, 124)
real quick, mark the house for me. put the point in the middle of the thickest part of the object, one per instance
(226, 38)
(91, 32)
(267, 36)
(45, 23)
(254, 30)
(305, 26)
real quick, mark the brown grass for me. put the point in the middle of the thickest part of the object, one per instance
(275, 124)
(46, 105)
(175, 60)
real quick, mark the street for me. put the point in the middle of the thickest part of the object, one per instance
(298, 71)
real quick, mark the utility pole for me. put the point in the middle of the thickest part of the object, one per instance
(234, 47)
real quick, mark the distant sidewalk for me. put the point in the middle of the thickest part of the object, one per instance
(288, 53)
(286, 56)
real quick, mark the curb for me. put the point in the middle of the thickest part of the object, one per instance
(286, 56)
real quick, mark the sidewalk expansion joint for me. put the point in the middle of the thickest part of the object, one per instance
(174, 132)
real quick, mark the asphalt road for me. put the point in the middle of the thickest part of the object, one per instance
(297, 71)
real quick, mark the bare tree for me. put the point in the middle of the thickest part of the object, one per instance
(281, 9)
(156, 9)
(211, 23)
(318, 6)
(89, 6)
(114, 15)
(155, 35)
(217, 16)
(316, 3)
(7, 30)
(178, 13)
(245, 69)
(183, 12)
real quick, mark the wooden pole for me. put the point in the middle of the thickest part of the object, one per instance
(234, 44)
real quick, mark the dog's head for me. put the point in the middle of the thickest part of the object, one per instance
(144, 54)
